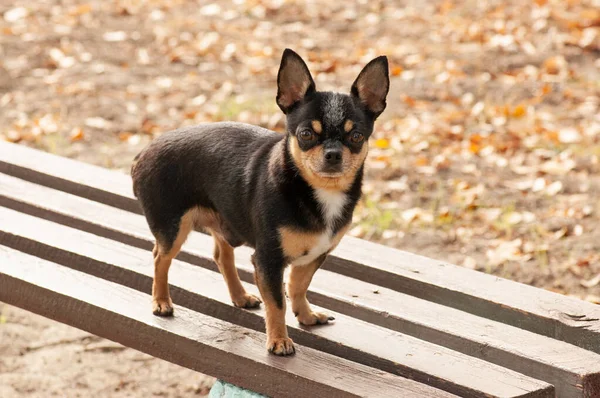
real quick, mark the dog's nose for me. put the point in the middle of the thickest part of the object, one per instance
(333, 156)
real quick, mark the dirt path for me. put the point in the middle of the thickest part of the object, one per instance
(40, 358)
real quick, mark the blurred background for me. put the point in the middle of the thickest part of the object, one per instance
(487, 155)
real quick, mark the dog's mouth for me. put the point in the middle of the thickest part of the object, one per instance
(332, 174)
(325, 174)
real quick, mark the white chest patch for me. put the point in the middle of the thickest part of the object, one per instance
(332, 204)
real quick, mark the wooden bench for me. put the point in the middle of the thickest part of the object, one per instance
(74, 248)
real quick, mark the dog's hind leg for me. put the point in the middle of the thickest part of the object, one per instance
(165, 250)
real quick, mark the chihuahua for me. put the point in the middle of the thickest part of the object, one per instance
(289, 196)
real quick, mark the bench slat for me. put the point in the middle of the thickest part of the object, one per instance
(413, 358)
(510, 302)
(68, 175)
(527, 307)
(564, 365)
(191, 339)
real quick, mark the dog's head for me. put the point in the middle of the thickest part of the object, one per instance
(328, 132)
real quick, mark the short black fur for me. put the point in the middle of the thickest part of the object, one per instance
(249, 176)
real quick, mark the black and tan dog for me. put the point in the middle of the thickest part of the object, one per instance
(290, 197)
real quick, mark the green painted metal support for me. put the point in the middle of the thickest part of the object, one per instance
(222, 389)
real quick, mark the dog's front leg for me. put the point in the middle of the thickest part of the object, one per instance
(300, 279)
(269, 278)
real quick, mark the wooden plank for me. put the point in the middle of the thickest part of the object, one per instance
(412, 358)
(539, 311)
(191, 339)
(68, 175)
(534, 355)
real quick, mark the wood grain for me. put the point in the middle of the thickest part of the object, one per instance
(68, 175)
(348, 338)
(190, 339)
(540, 311)
(523, 306)
(564, 365)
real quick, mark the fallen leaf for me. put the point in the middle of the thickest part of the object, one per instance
(13, 136)
(554, 188)
(397, 70)
(76, 134)
(97, 122)
(148, 126)
(506, 251)
(469, 263)
(569, 135)
(519, 111)
(490, 215)
(591, 282)
(382, 143)
(124, 136)
(416, 213)
(421, 161)
(80, 10)
(558, 166)
(410, 101)
(555, 65)
(14, 14)
(114, 36)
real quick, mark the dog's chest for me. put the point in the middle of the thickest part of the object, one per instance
(332, 205)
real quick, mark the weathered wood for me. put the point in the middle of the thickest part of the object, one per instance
(413, 358)
(506, 301)
(190, 339)
(68, 175)
(558, 363)
(537, 310)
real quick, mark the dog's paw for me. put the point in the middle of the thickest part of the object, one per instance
(314, 318)
(281, 346)
(247, 301)
(162, 307)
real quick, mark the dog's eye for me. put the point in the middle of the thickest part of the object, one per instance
(307, 135)
(357, 137)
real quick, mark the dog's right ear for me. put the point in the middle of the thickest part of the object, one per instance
(294, 81)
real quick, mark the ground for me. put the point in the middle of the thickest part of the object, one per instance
(40, 358)
(487, 154)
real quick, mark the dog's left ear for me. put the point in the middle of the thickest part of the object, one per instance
(372, 85)
(294, 81)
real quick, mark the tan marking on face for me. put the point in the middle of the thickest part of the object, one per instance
(348, 125)
(317, 126)
(310, 162)
(296, 243)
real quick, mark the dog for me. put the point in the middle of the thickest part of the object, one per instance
(289, 196)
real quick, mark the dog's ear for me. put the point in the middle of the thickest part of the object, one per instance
(294, 81)
(372, 85)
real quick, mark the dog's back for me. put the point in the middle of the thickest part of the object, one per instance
(206, 165)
